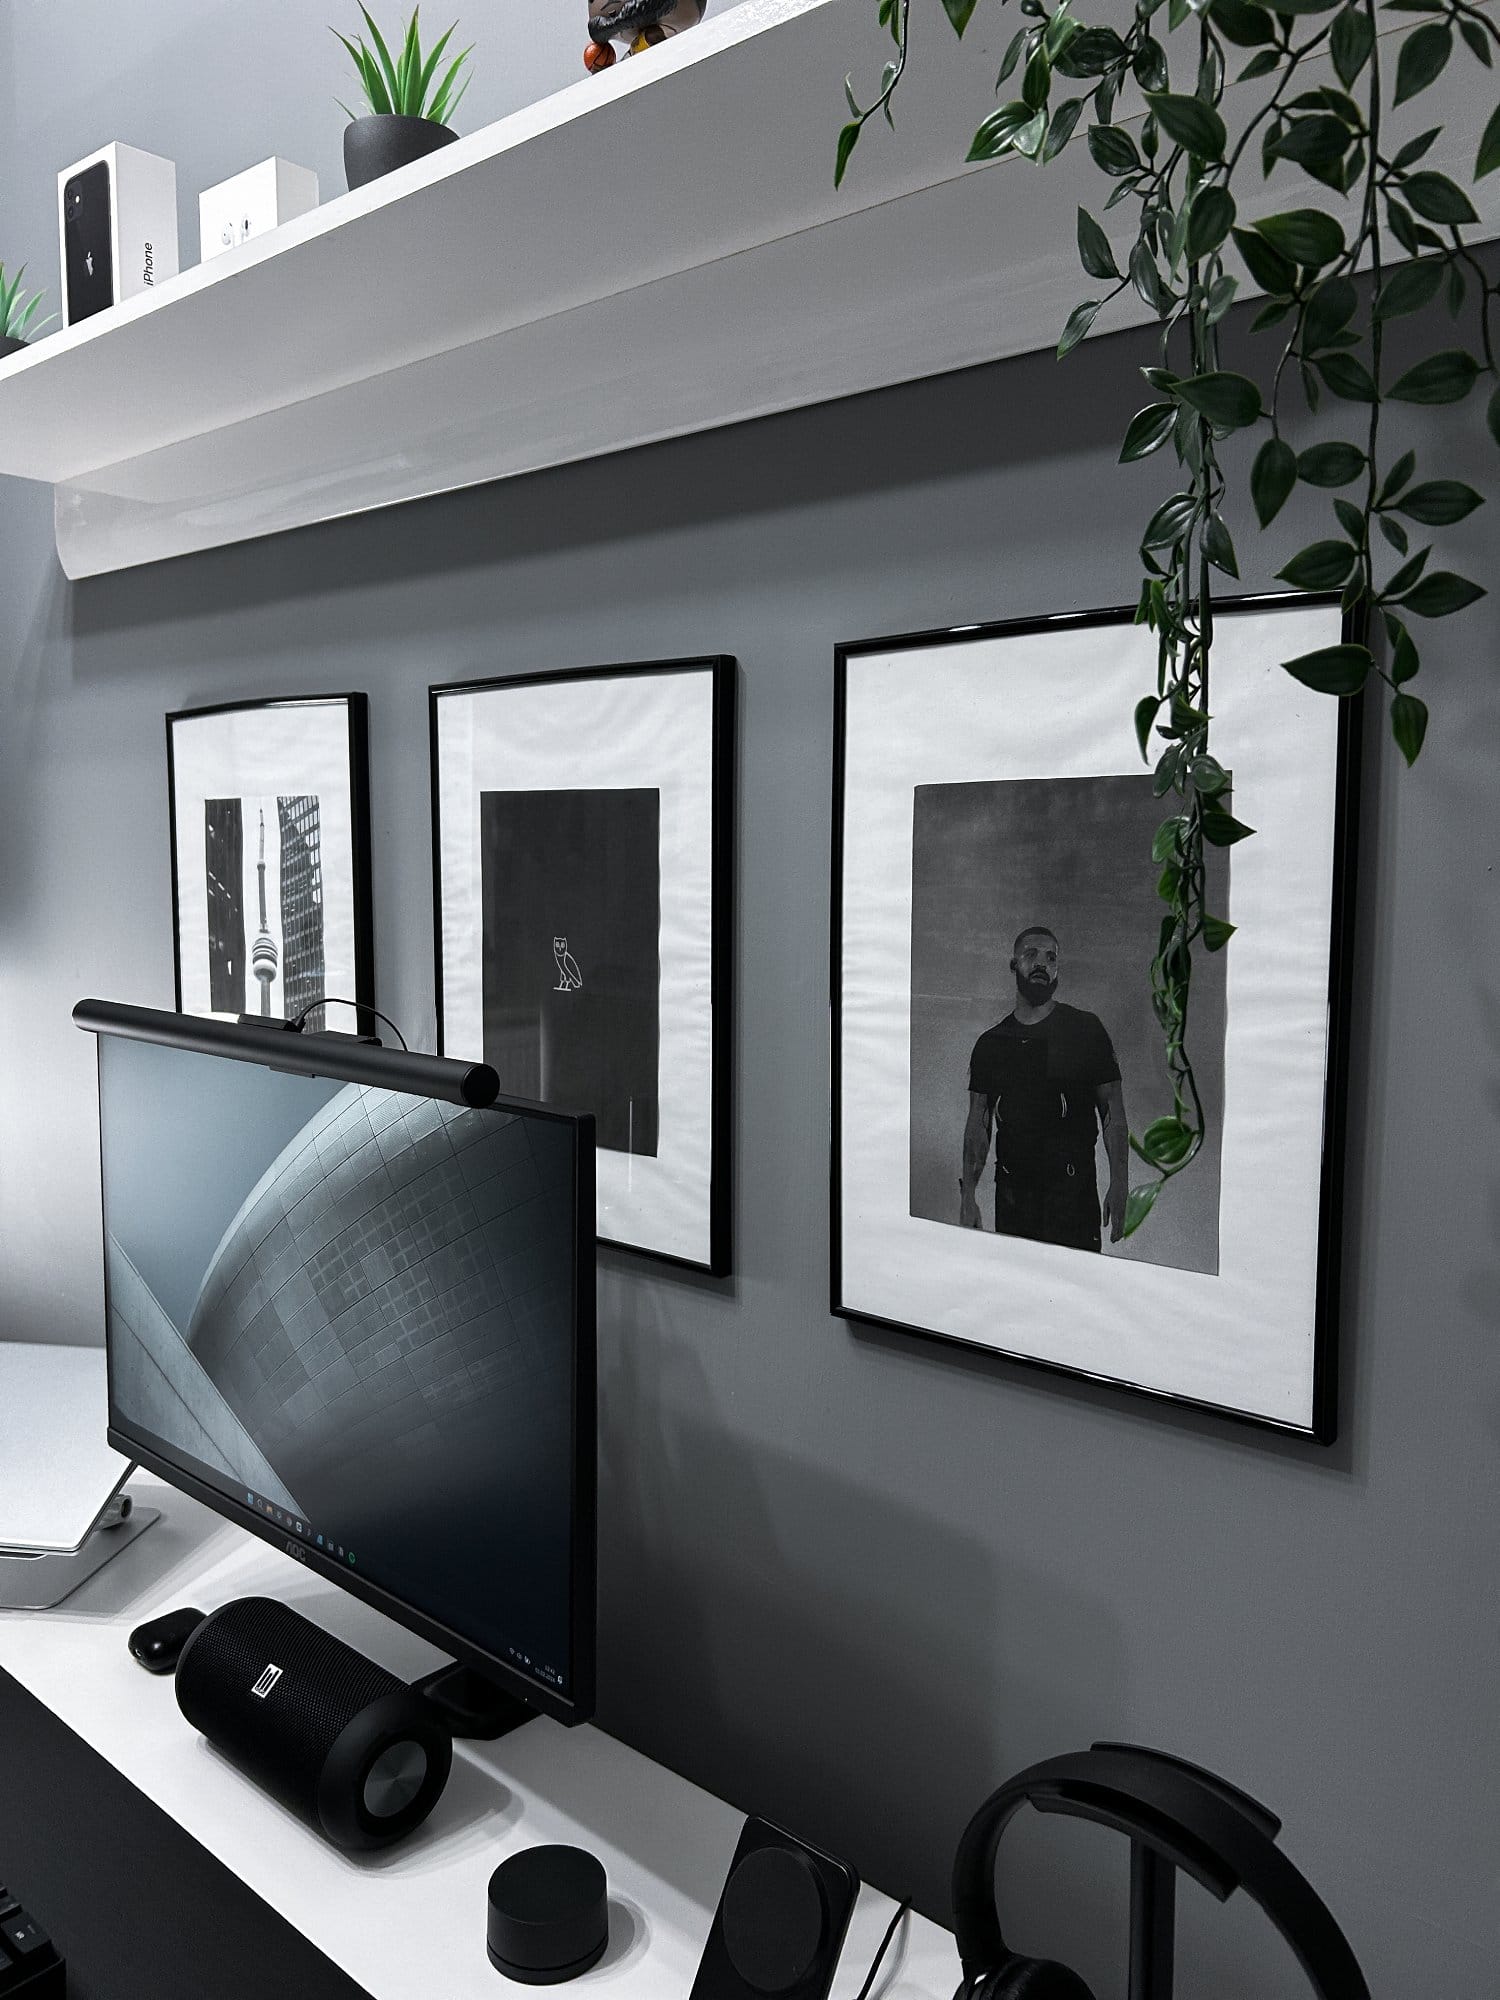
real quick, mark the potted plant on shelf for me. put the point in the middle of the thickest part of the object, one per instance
(410, 99)
(18, 309)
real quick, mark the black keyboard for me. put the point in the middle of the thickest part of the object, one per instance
(30, 1968)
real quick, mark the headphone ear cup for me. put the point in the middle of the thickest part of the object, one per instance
(1032, 1979)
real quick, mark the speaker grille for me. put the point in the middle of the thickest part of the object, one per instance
(281, 1737)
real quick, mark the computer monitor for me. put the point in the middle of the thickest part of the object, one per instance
(350, 1305)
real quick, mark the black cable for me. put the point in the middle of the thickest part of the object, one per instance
(326, 1000)
(869, 1985)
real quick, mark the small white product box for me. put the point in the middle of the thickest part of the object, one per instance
(117, 228)
(251, 203)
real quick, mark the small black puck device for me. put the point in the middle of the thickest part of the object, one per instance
(548, 1915)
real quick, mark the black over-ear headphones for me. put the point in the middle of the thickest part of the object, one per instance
(1177, 1816)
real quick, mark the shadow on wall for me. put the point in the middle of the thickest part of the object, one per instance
(850, 1667)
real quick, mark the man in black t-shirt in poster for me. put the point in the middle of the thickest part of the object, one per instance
(1043, 1082)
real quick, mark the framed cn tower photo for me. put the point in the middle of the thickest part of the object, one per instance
(270, 819)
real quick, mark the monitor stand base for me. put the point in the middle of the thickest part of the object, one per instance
(472, 1706)
(37, 1580)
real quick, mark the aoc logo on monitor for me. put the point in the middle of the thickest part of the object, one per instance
(267, 1681)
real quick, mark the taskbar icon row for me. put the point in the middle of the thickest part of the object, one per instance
(294, 1525)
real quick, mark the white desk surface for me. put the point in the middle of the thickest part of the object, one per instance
(409, 1924)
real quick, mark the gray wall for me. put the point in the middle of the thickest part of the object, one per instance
(849, 1580)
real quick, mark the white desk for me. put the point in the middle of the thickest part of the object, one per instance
(665, 1845)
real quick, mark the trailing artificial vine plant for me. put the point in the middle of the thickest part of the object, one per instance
(1320, 109)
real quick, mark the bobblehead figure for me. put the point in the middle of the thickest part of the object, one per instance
(637, 25)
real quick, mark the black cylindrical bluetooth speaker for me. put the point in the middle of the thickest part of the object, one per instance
(339, 1741)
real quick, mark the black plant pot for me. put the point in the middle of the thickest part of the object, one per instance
(379, 144)
(9, 346)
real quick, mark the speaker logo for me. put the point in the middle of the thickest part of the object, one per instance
(266, 1682)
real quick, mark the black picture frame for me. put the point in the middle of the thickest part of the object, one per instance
(716, 1208)
(1321, 1423)
(356, 762)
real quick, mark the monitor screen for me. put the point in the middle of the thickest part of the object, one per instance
(362, 1320)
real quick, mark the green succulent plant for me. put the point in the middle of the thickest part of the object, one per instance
(413, 84)
(18, 309)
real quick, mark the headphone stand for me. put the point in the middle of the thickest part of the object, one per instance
(1153, 1923)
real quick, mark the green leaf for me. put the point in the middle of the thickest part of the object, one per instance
(1330, 464)
(387, 67)
(1093, 248)
(960, 13)
(1329, 310)
(1272, 478)
(1139, 1203)
(1165, 1141)
(1216, 933)
(1167, 840)
(1409, 288)
(1260, 65)
(1489, 147)
(1351, 41)
(1351, 520)
(1060, 130)
(1438, 503)
(1320, 566)
(1441, 594)
(1113, 151)
(1304, 236)
(1218, 546)
(1208, 776)
(428, 69)
(1274, 273)
(1230, 402)
(1317, 145)
(1347, 377)
(1408, 573)
(1209, 221)
(1409, 724)
(1220, 298)
(1036, 82)
(1394, 533)
(1413, 150)
(997, 135)
(1477, 40)
(1080, 319)
(1442, 378)
(1148, 430)
(1438, 198)
(1028, 141)
(1147, 280)
(1170, 522)
(1222, 829)
(1242, 22)
(1424, 55)
(848, 140)
(1404, 658)
(1397, 477)
(1146, 710)
(1190, 122)
(1091, 53)
(1012, 55)
(1332, 669)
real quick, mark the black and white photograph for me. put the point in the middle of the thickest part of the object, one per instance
(581, 841)
(270, 846)
(995, 1044)
(1033, 1041)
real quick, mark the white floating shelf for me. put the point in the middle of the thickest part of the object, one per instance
(650, 252)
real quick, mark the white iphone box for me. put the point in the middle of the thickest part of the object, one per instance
(251, 203)
(117, 227)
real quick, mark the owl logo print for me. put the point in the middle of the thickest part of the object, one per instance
(569, 978)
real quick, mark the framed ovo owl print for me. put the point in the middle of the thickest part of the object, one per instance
(582, 843)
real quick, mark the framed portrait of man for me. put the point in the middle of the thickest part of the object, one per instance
(994, 1040)
(582, 829)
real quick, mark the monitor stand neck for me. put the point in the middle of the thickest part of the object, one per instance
(472, 1706)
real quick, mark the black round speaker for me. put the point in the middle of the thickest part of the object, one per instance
(548, 1915)
(337, 1740)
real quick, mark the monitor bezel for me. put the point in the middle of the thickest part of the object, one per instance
(319, 1055)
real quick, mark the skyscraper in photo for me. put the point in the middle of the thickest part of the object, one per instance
(224, 862)
(302, 968)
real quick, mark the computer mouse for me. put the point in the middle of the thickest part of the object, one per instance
(157, 1643)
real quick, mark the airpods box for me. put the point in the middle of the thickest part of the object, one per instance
(117, 228)
(258, 200)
